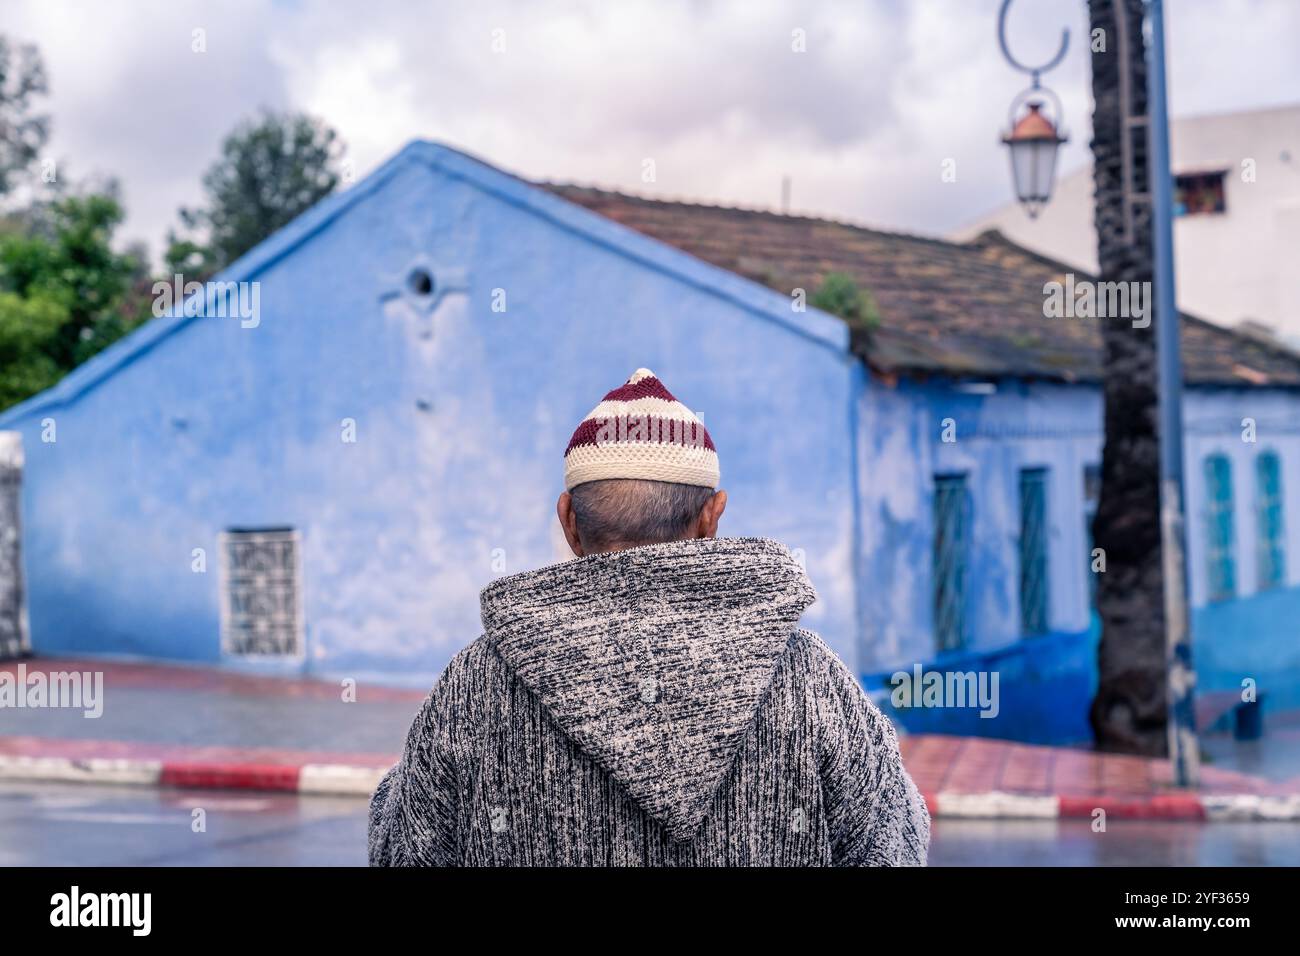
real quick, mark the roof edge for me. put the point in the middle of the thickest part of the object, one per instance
(817, 326)
(995, 235)
(820, 328)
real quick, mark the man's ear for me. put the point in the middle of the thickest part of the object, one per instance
(569, 522)
(710, 515)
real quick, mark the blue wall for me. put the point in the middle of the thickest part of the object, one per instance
(1046, 681)
(1254, 638)
(462, 415)
(1256, 634)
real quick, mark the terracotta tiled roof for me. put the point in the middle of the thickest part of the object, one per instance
(968, 309)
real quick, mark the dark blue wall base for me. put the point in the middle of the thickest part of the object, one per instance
(1045, 687)
(1046, 683)
(1255, 638)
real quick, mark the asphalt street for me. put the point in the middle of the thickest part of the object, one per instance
(80, 825)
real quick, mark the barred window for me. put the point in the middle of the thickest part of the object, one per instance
(13, 615)
(262, 600)
(1033, 551)
(951, 520)
(1270, 534)
(1219, 532)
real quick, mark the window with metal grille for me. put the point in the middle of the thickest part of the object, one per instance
(1268, 496)
(13, 612)
(951, 520)
(1033, 551)
(1222, 573)
(262, 600)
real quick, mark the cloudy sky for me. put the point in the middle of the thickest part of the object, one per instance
(711, 90)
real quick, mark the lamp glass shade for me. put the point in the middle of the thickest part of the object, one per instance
(1033, 171)
(1033, 143)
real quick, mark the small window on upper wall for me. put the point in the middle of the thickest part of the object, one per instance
(1197, 194)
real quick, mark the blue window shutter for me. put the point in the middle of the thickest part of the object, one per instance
(1270, 524)
(951, 544)
(1219, 529)
(1033, 551)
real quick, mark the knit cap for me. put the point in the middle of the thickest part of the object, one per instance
(640, 430)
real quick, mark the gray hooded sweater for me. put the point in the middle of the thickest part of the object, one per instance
(650, 707)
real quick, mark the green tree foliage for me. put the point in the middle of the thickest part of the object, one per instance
(839, 295)
(28, 331)
(65, 293)
(22, 134)
(270, 171)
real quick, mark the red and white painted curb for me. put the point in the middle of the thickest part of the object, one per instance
(997, 805)
(313, 778)
(337, 779)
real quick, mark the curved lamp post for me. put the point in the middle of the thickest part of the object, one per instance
(1033, 138)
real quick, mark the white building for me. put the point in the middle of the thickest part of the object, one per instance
(1237, 235)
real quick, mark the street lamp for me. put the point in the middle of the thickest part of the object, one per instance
(1033, 142)
(1033, 138)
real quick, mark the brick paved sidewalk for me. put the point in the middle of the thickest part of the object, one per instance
(202, 707)
(979, 777)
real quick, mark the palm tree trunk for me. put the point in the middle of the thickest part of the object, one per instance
(1129, 712)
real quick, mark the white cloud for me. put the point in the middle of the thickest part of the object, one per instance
(584, 91)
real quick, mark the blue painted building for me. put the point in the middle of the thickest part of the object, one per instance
(325, 486)
(316, 465)
(1025, 465)
(978, 433)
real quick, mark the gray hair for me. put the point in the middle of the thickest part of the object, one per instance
(627, 512)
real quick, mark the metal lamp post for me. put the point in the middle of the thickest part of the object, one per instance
(1183, 747)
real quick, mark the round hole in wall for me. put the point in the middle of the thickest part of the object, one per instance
(420, 281)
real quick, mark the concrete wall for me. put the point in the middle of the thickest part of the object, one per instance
(461, 418)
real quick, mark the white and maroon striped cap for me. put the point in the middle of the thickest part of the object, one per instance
(640, 431)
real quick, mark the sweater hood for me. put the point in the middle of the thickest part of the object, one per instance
(653, 660)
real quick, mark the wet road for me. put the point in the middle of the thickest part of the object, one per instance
(1125, 843)
(78, 825)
